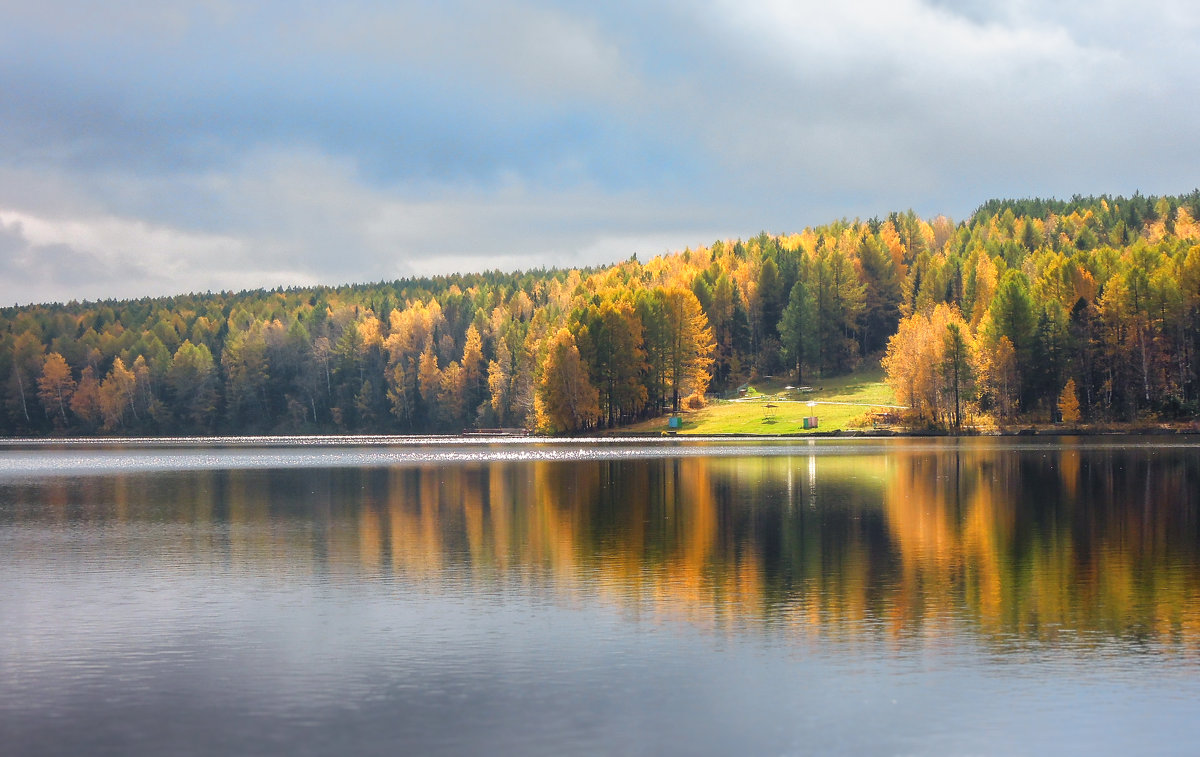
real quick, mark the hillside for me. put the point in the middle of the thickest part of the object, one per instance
(1026, 308)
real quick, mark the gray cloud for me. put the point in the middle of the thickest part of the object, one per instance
(55, 268)
(220, 145)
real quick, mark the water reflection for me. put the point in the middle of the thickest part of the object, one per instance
(1071, 543)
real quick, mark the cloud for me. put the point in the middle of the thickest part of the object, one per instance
(104, 257)
(910, 102)
(302, 218)
(221, 145)
(51, 266)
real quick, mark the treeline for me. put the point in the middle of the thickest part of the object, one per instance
(558, 350)
(1087, 310)
(537, 350)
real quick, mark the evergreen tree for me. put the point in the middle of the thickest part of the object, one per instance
(797, 329)
(881, 297)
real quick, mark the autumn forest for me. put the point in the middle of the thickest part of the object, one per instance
(1085, 310)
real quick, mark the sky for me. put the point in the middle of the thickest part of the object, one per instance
(162, 148)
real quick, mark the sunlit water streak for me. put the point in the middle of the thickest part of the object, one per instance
(30, 458)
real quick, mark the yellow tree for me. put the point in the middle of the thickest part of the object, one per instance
(565, 400)
(85, 401)
(429, 376)
(370, 331)
(429, 379)
(116, 394)
(474, 371)
(55, 387)
(610, 340)
(689, 345)
(27, 359)
(403, 346)
(1186, 227)
(895, 247)
(997, 370)
(412, 332)
(910, 363)
(499, 390)
(1068, 403)
(928, 364)
(985, 280)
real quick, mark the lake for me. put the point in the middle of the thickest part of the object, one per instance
(406, 596)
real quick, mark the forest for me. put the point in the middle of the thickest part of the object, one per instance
(1085, 310)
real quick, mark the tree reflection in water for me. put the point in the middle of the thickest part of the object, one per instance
(1071, 542)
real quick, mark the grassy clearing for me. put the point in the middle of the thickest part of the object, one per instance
(859, 390)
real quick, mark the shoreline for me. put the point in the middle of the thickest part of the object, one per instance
(599, 438)
(1186, 430)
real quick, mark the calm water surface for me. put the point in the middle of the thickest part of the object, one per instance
(881, 597)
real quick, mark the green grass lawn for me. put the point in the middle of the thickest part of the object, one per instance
(752, 416)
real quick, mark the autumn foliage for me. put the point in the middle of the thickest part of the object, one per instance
(991, 316)
(1088, 311)
(928, 364)
(567, 400)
